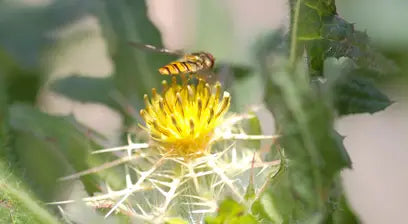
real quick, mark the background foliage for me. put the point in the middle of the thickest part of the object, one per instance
(322, 68)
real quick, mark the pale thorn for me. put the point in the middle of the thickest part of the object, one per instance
(132, 210)
(64, 215)
(201, 166)
(99, 168)
(211, 205)
(200, 162)
(137, 171)
(171, 193)
(194, 197)
(177, 160)
(267, 165)
(129, 150)
(180, 191)
(207, 207)
(132, 146)
(238, 181)
(232, 120)
(141, 209)
(60, 202)
(148, 158)
(108, 188)
(203, 173)
(129, 139)
(261, 171)
(118, 204)
(163, 192)
(128, 178)
(164, 175)
(167, 184)
(111, 195)
(193, 175)
(243, 136)
(218, 155)
(203, 211)
(225, 179)
(218, 182)
(135, 187)
(148, 202)
(185, 180)
(196, 203)
(234, 155)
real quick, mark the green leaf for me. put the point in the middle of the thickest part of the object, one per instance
(306, 124)
(358, 95)
(4, 135)
(47, 146)
(352, 89)
(176, 221)
(135, 71)
(29, 27)
(275, 205)
(266, 209)
(324, 34)
(339, 211)
(343, 214)
(20, 84)
(17, 205)
(252, 126)
(231, 212)
(87, 89)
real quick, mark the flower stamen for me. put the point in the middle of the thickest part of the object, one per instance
(182, 120)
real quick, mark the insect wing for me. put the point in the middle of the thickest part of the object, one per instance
(156, 49)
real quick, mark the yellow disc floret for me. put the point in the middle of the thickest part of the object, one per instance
(182, 120)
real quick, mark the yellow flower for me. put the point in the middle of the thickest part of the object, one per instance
(182, 120)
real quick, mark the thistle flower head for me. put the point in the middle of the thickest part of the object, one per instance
(176, 174)
(182, 120)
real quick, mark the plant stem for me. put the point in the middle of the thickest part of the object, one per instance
(293, 41)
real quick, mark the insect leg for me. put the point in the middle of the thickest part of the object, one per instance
(184, 80)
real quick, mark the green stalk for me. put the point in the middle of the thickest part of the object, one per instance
(293, 41)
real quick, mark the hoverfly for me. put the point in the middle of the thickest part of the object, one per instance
(188, 63)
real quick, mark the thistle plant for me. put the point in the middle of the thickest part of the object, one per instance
(191, 157)
(196, 156)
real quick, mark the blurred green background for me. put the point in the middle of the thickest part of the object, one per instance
(67, 64)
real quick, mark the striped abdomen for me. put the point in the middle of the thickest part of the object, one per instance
(179, 67)
(190, 63)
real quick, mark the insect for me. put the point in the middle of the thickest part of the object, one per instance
(188, 63)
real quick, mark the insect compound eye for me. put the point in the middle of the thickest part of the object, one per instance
(211, 60)
(208, 62)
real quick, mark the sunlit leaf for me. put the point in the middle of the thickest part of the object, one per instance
(231, 212)
(176, 221)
